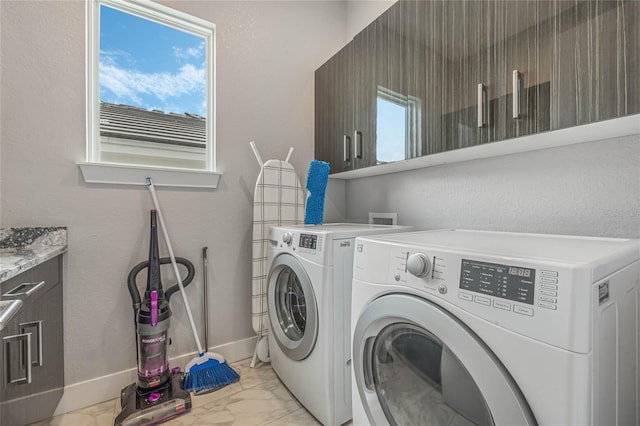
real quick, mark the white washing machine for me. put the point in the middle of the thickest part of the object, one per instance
(309, 300)
(462, 327)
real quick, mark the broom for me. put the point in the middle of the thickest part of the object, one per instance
(208, 370)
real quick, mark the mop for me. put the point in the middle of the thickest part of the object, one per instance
(208, 370)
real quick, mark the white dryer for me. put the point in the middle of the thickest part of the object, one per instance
(461, 327)
(309, 301)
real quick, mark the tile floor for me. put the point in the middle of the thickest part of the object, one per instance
(259, 398)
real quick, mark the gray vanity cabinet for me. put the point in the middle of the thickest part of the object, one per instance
(466, 73)
(32, 346)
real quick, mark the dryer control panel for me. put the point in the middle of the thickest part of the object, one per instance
(509, 282)
(540, 299)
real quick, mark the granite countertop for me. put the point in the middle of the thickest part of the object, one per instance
(23, 248)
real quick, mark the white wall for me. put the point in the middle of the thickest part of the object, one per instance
(585, 189)
(267, 54)
(361, 13)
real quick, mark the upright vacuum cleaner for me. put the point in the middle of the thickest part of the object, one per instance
(157, 395)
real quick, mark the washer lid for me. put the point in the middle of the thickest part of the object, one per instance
(415, 363)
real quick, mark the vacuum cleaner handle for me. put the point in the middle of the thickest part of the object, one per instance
(191, 272)
(133, 287)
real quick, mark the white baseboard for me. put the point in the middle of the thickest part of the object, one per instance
(105, 388)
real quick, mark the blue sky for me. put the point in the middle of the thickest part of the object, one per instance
(150, 65)
(390, 131)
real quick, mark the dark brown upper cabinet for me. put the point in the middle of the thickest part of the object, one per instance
(595, 72)
(433, 76)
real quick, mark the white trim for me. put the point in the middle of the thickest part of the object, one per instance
(165, 16)
(105, 388)
(121, 174)
(617, 127)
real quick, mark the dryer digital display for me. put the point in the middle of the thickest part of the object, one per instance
(508, 282)
(308, 241)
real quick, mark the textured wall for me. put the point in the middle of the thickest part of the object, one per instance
(585, 189)
(267, 53)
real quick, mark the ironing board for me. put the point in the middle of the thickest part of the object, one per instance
(278, 201)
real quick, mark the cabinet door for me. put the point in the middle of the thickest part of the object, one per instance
(423, 74)
(334, 111)
(364, 97)
(47, 353)
(596, 70)
(34, 385)
(389, 86)
(464, 65)
(17, 373)
(527, 83)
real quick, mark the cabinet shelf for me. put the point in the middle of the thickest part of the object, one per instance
(617, 127)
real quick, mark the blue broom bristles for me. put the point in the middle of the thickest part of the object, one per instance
(211, 374)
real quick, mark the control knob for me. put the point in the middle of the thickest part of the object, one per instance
(287, 238)
(418, 264)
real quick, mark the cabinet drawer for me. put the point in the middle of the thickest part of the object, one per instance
(49, 272)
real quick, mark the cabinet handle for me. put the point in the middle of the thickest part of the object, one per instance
(482, 103)
(517, 78)
(346, 145)
(357, 136)
(25, 357)
(24, 289)
(38, 332)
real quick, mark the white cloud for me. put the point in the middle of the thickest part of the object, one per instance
(129, 84)
(188, 53)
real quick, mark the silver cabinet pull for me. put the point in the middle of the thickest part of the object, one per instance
(357, 137)
(24, 289)
(517, 76)
(25, 358)
(482, 103)
(37, 325)
(8, 309)
(346, 145)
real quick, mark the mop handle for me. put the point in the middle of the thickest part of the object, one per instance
(206, 310)
(175, 265)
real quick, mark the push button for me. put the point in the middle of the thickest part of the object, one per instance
(465, 296)
(548, 299)
(544, 273)
(549, 293)
(483, 300)
(547, 306)
(502, 305)
(522, 310)
(547, 286)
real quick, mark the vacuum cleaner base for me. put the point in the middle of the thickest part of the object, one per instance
(155, 406)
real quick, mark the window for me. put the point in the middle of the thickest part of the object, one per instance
(150, 88)
(398, 126)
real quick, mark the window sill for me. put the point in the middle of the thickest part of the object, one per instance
(136, 175)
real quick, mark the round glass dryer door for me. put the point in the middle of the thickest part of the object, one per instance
(292, 307)
(415, 364)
